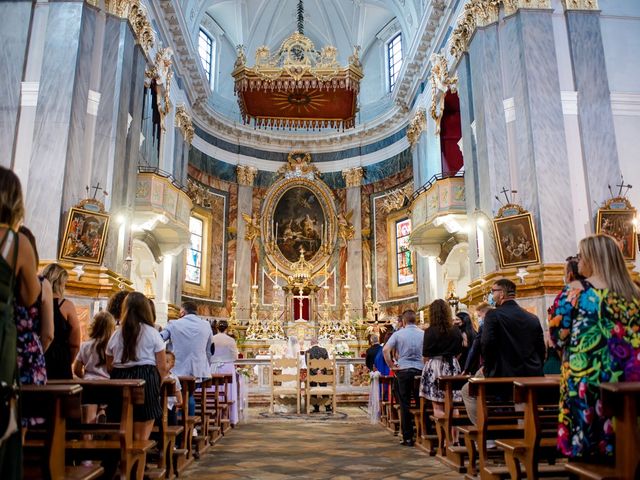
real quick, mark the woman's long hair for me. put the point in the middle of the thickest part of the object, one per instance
(440, 316)
(11, 203)
(136, 312)
(57, 276)
(467, 326)
(602, 253)
(101, 330)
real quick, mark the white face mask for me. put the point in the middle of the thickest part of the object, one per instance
(490, 300)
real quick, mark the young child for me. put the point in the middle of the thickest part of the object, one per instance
(174, 401)
(91, 361)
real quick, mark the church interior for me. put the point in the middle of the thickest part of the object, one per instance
(306, 172)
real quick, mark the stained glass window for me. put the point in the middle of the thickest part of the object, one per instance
(394, 57)
(404, 260)
(205, 49)
(193, 272)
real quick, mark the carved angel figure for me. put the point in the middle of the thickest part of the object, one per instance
(252, 224)
(346, 231)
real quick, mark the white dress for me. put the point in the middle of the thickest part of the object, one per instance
(223, 361)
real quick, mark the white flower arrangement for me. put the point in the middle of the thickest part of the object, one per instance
(343, 350)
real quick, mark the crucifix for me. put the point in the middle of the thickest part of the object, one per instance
(95, 188)
(300, 297)
(505, 191)
(621, 185)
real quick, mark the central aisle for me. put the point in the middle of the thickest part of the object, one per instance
(339, 450)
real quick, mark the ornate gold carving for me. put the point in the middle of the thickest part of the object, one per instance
(580, 4)
(298, 165)
(162, 73)
(252, 224)
(480, 13)
(353, 176)
(417, 125)
(441, 83)
(346, 231)
(184, 123)
(141, 26)
(246, 175)
(395, 199)
(199, 194)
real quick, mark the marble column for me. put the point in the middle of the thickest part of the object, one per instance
(353, 177)
(595, 118)
(244, 269)
(536, 143)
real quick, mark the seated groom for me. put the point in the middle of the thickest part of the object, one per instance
(314, 353)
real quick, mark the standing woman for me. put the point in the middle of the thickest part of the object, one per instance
(464, 323)
(18, 282)
(137, 351)
(222, 361)
(66, 335)
(596, 324)
(442, 343)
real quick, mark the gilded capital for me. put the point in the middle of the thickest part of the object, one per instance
(135, 12)
(580, 4)
(353, 176)
(246, 175)
(417, 125)
(184, 123)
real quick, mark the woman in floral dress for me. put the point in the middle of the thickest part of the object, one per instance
(596, 324)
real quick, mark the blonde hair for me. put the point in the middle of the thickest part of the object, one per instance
(57, 276)
(602, 253)
(11, 203)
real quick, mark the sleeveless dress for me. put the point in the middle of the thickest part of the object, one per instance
(11, 448)
(599, 335)
(31, 362)
(58, 356)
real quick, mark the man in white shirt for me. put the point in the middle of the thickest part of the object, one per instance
(191, 338)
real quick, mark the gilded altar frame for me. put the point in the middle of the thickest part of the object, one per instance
(616, 218)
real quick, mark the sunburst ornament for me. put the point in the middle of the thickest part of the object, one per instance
(298, 86)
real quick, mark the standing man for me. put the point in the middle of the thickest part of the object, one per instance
(223, 361)
(407, 343)
(372, 351)
(512, 341)
(191, 338)
(314, 353)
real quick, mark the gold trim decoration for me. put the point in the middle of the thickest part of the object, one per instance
(616, 218)
(516, 237)
(252, 227)
(395, 199)
(346, 231)
(417, 125)
(199, 194)
(95, 281)
(136, 14)
(299, 165)
(441, 84)
(86, 233)
(480, 13)
(580, 4)
(246, 175)
(353, 176)
(184, 123)
(162, 73)
(510, 209)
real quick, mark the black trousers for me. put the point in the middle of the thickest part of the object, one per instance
(407, 387)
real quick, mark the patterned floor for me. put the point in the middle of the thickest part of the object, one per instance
(348, 448)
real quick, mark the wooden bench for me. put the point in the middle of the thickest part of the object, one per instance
(620, 401)
(203, 439)
(541, 396)
(44, 451)
(189, 422)
(223, 403)
(428, 438)
(111, 441)
(454, 415)
(389, 405)
(166, 435)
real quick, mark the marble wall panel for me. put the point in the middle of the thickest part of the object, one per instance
(14, 37)
(597, 131)
(47, 168)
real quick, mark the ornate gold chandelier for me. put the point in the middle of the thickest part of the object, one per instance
(298, 86)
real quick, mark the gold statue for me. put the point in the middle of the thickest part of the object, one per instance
(346, 230)
(252, 224)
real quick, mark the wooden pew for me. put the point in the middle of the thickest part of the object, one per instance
(620, 401)
(454, 415)
(496, 420)
(44, 455)
(541, 396)
(188, 383)
(428, 438)
(389, 404)
(111, 439)
(203, 409)
(166, 435)
(223, 405)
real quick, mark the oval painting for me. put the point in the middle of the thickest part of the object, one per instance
(300, 221)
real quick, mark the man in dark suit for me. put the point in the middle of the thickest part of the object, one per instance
(314, 353)
(512, 341)
(372, 351)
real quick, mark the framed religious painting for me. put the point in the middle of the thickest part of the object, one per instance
(516, 239)
(85, 236)
(617, 219)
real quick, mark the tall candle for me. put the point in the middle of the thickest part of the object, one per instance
(234, 271)
(255, 273)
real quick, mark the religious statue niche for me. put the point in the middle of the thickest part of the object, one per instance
(299, 224)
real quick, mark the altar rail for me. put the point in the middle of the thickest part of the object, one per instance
(353, 378)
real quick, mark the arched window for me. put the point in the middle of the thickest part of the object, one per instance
(206, 46)
(394, 59)
(193, 273)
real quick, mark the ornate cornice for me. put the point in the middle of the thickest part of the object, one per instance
(184, 123)
(580, 4)
(246, 175)
(441, 83)
(395, 199)
(353, 176)
(480, 13)
(417, 125)
(199, 194)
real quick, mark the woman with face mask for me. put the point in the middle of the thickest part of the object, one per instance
(473, 361)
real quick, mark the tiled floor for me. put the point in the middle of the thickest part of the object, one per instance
(343, 448)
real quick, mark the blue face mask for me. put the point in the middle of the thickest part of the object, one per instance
(490, 300)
